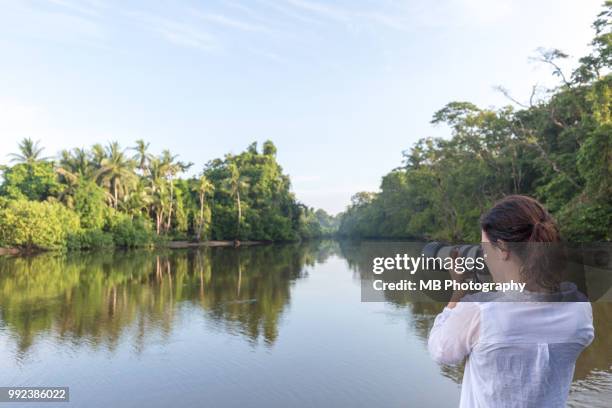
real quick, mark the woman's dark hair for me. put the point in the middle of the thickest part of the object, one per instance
(522, 225)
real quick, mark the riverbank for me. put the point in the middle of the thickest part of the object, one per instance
(169, 244)
(225, 243)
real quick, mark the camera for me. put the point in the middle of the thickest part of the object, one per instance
(571, 261)
(444, 250)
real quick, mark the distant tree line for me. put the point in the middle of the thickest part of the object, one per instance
(557, 149)
(110, 196)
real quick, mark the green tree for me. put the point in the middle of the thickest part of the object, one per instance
(116, 173)
(29, 152)
(172, 167)
(89, 204)
(158, 192)
(33, 181)
(235, 184)
(203, 188)
(142, 156)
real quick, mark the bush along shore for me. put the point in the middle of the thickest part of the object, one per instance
(108, 196)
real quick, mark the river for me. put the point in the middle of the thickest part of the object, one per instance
(265, 326)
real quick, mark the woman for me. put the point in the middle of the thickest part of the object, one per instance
(522, 352)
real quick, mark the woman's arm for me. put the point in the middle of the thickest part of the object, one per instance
(454, 333)
(457, 277)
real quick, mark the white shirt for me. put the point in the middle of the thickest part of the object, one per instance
(519, 354)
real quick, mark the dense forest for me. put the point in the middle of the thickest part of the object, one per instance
(109, 196)
(556, 147)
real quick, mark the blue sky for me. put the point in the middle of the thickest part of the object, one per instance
(341, 87)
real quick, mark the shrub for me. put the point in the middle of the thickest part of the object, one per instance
(129, 232)
(37, 225)
(89, 204)
(90, 239)
(586, 221)
(35, 181)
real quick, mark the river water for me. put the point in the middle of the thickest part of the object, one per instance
(267, 326)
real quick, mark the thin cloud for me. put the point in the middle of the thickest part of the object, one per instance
(52, 23)
(222, 20)
(178, 32)
(90, 8)
(395, 19)
(288, 12)
(401, 17)
(389, 21)
(323, 10)
(243, 9)
(459, 13)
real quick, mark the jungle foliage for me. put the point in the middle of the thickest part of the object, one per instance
(109, 196)
(556, 147)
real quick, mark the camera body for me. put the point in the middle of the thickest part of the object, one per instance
(444, 250)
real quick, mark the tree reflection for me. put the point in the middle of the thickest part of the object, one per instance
(96, 297)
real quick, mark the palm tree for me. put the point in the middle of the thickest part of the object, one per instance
(138, 200)
(235, 184)
(67, 167)
(76, 163)
(72, 167)
(157, 191)
(98, 153)
(142, 155)
(203, 188)
(172, 168)
(29, 152)
(116, 172)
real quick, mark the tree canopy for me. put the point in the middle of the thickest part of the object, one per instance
(557, 149)
(130, 197)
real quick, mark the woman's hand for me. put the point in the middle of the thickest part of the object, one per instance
(457, 277)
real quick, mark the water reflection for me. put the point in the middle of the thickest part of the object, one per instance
(102, 300)
(95, 296)
(593, 374)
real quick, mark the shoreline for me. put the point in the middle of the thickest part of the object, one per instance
(212, 243)
(169, 244)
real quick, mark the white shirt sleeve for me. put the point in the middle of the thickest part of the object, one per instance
(454, 333)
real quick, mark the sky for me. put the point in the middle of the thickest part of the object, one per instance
(341, 87)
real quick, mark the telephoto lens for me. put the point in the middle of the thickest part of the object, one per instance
(442, 251)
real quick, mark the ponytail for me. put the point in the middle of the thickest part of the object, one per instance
(524, 227)
(544, 231)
